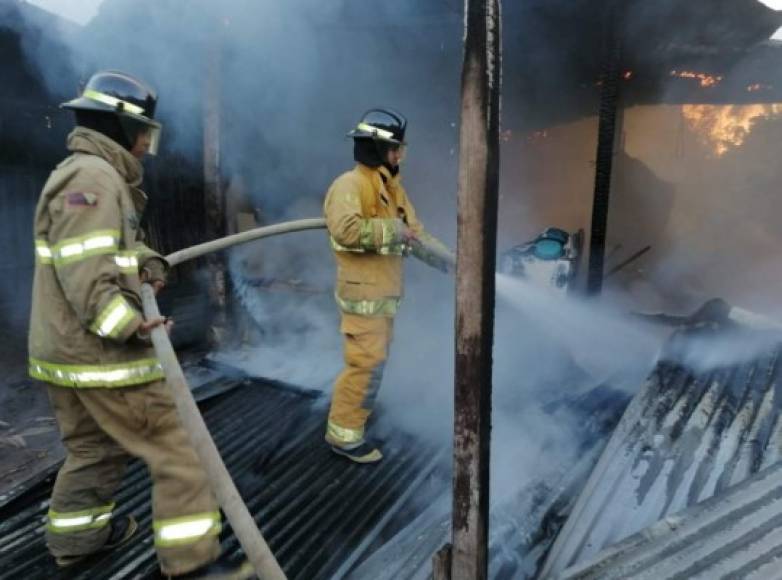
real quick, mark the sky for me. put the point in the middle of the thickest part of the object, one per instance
(79, 11)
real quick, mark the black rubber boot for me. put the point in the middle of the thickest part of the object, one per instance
(363, 453)
(122, 530)
(220, 570)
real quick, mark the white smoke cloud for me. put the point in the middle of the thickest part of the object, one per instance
(80, 12)
(295, 77)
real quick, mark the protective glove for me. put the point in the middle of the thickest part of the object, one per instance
(434, 253)
(144, 331)
(153, 272)
(403, 234)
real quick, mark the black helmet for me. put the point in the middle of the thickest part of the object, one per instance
(129, 99)
(384, 125)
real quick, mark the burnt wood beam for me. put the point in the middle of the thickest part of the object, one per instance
(606, 137)
(475, 284)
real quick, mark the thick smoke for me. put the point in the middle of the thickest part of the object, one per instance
(295, 76)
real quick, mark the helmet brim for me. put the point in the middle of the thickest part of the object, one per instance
(85, 104)
(360, 134)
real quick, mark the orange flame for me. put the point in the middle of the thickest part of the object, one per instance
(706, 80)
(727, 127)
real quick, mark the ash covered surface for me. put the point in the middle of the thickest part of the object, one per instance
(29, 437)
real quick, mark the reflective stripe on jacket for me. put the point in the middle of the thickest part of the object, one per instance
(363, 210)
(86, 304)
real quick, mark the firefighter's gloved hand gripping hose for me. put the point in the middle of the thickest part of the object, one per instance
(247, 532)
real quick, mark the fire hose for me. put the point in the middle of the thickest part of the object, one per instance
(250, 538)
(242, 522)
(244, 237)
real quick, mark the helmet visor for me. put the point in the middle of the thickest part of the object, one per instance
(154, 139)
(136, 127)
(401, 150)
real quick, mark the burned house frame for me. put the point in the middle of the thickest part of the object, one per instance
(649, 59)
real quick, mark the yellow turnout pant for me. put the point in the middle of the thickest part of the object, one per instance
(367, 340)
(100, 427)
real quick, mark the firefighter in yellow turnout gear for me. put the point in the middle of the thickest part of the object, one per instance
(89, 341)
(372, 226)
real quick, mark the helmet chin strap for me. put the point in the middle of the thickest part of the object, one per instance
(394, 169)
(382, 152)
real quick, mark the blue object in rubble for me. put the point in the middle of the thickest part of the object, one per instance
(547, 249)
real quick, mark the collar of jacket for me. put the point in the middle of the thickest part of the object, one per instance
(85, 140)
(139, 199)
(381, 171)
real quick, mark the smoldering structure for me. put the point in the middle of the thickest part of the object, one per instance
(698, 443)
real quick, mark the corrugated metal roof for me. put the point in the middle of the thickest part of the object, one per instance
(735, 535)
(687, 436)
(319, 512)
(523, 525)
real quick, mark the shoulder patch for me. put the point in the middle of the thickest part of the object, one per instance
(81, 199)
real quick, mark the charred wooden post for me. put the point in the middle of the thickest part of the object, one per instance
(475, 284)
(214, 197)
(441, 563)
(606, 137)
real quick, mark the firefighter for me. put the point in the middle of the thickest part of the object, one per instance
(90, 343)
(372, 226)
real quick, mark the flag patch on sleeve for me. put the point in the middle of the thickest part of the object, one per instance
(80, 199)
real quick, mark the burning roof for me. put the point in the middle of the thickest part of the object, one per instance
(672, 52)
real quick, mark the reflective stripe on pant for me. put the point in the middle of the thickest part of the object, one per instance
(100, 427)
(367, 340)
(72, 522)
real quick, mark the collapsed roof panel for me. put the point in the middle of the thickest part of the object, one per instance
(734, 535)
(687, 436)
